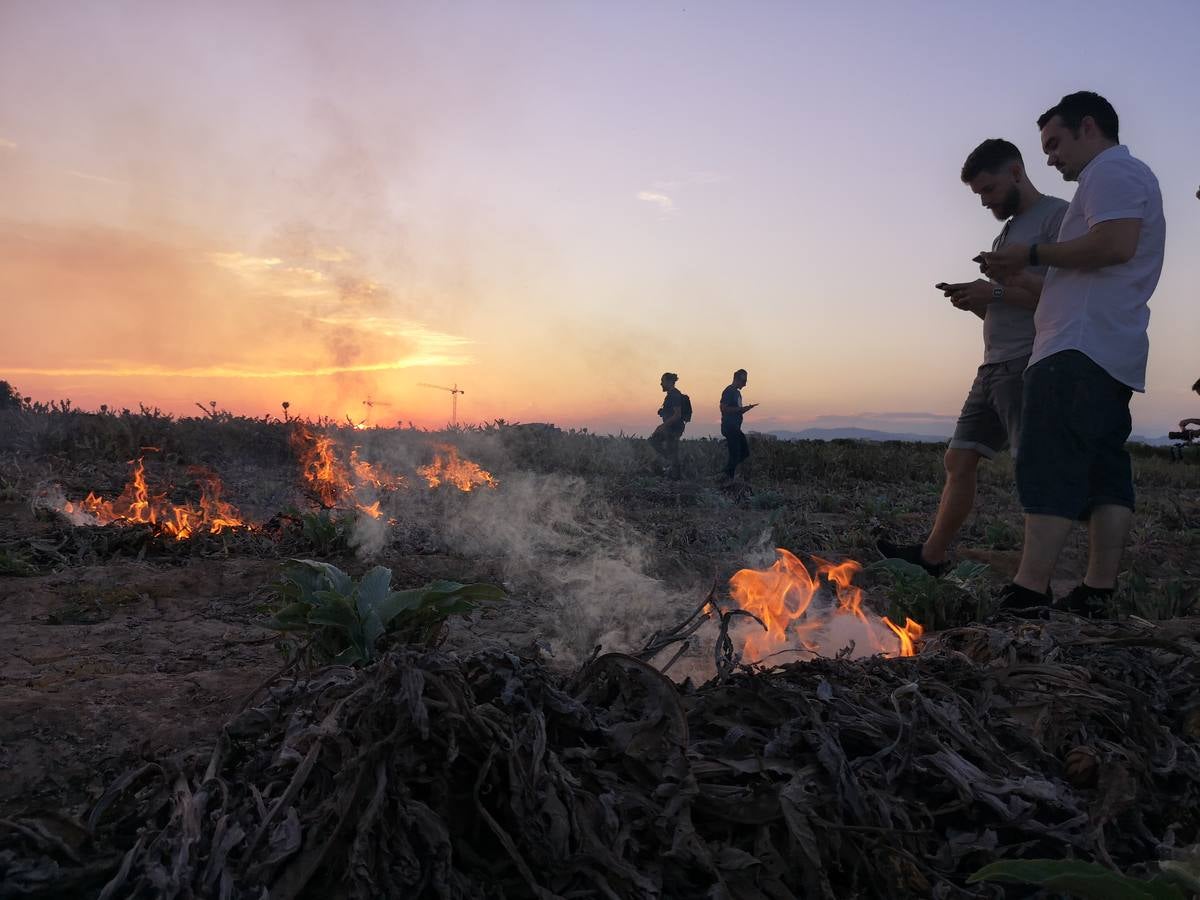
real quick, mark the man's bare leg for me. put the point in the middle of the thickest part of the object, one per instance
(1108, 530)
(958, 498)
(1044, 540)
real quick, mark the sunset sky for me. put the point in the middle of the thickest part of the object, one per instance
(549, 203)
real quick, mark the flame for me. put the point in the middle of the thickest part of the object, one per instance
(322, 470)
(373, 510)
(462, 473)
(908, 634)
(335, 483)
(782, 597)
(373, 475)
(137, 506)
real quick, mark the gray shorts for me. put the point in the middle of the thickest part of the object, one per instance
(990, 420)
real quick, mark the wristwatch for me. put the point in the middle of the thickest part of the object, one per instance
(998, 292)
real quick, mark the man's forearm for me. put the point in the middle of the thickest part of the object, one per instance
(1106, 244)
(1024, 291)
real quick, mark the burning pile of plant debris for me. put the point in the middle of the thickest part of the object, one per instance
(332, 477)
(491, 775)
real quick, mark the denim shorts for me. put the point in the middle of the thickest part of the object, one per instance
(990, 419)
(1072, 453)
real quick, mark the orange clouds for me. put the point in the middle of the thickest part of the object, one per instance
(90, 305)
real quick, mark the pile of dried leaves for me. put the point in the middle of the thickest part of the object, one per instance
(427, 775)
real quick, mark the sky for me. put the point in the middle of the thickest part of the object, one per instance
(549, 204)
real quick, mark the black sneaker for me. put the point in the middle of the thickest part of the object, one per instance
(1021, 601)
(910, 553)
(1087, 601)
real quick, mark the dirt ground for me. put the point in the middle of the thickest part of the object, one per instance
(128, 658)
(106, 665)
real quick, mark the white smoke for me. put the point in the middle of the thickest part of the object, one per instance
(368, 535)
(51, 497)
(560, 542)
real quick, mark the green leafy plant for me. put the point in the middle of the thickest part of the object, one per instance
(1086, 880)
(345, 620)
(1166, 600)
(16, 563)
(954, 599)
(322, 532)
(1000, 535)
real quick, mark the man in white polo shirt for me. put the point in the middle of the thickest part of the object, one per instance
(1089, 353)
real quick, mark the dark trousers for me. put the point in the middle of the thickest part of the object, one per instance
(739, 447)
(665, 442)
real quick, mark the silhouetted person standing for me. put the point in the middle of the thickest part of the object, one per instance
(732, 412)
(665, 439)
(1183, 423)
(990, 420)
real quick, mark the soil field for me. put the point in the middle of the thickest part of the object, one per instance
(122, 645)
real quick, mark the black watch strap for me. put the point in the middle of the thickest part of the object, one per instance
(1033, 255)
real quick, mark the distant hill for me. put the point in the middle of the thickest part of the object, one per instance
(857, 434)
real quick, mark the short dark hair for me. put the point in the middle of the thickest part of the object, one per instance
(990, 156)
(670, 376)
(1074, 108)
(739, 372)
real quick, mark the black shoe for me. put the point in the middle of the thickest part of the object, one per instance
(1021, 601)
(910, 553)
(1087, 601)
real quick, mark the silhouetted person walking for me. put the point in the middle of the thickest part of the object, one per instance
(732, 412)
(675, 412)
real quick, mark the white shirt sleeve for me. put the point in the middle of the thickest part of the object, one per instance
(1116, 190)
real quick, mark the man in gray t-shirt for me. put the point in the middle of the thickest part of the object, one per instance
(991, 416)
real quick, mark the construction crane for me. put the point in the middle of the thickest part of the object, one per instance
(454, 392)
(370, 404)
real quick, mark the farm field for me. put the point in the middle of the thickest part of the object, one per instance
(134, 643)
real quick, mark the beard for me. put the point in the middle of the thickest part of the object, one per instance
(1007, 208)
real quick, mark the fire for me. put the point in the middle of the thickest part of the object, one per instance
(373, 510)
(335, 483)
(322, 470)
(909, 633)
(462, 473)
(373, 475)
(137, 506)
(783, 598)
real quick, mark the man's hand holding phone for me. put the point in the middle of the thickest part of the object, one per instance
(951, 290)
(1006, 262)
(972, 296)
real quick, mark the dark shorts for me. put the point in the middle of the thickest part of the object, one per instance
(1072, 454)
(990, 420)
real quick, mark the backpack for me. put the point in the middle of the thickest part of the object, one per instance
(685, 407)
